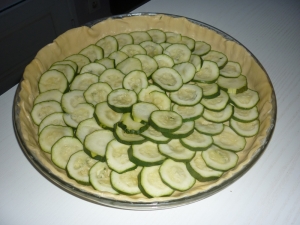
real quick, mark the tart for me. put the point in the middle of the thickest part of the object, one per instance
(74, 40)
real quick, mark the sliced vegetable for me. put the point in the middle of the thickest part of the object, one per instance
(219, 159)
(145, 154)
(175, 175)
(62, 150)
(117, 157)
(78, 167)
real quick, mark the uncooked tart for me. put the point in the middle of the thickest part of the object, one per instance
(74, 40)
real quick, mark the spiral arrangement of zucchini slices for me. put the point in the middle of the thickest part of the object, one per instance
(148, 112)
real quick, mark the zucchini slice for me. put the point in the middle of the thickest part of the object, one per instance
(178, 52)
(94, 68)
(107, 62)
(43, 109)
(67, 62)
(198, 169)
(109, 44)
(86, 127)
(140, 36)
(96, 142)
(155, 136)
(135, 80)
(118, 56)
(152, 48)
(201, 48)
(123, 39)
(207, 127)
(133, 49)
(188, 112)
(176, 151)
(186, 70)
(128, 65)
(53, 80)
(189, 42)
(126, 138)
(157, 36)
(208, 73)
(217, 57)
(51, 134)
(233, 85)
(121, 100)
(78, 167)
(219, 159)
(164, 60)
(187, 95)
(151, 184)
(209, 90)
(245, 129)
(145, 154)
(81, 112)
(55, 95)
(117, 157)
(83, 81)
(149, 65)
(245, 115)
(105, 116)
(231, 69)
(93, 52)
(197, 141)
(141, 111)
(79, 59)
(97, 93)
(62, 150)
(175, 175)
(229, 140)
(196, 61)
(216, 104)
(130, 126)
(245, 100)
(185, 130)
(126, 183)
(71, 100)
(161, 100)
(218, 116)
(167, 78)
(165, 120)
(144, 94)
(113, 77)
(66, 69)
(99, 175)
(52, 119)
(173, 38)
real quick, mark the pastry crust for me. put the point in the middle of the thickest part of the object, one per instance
(72, 41)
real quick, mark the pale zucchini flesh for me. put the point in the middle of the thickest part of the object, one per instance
(145, 154)
(151, 184)
(62, 150)
(175, 175)
(176, 151)
(99, 178)
(117, 157)
(43, 109)
(219, 159)
(78, 167)
(198, 169)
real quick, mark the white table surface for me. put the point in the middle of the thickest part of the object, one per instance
(268, 194)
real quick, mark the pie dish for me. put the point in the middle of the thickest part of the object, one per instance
(74, 40)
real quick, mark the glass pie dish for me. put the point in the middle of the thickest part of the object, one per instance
(76, 39)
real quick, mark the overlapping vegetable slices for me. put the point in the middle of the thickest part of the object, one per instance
(148, 112)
